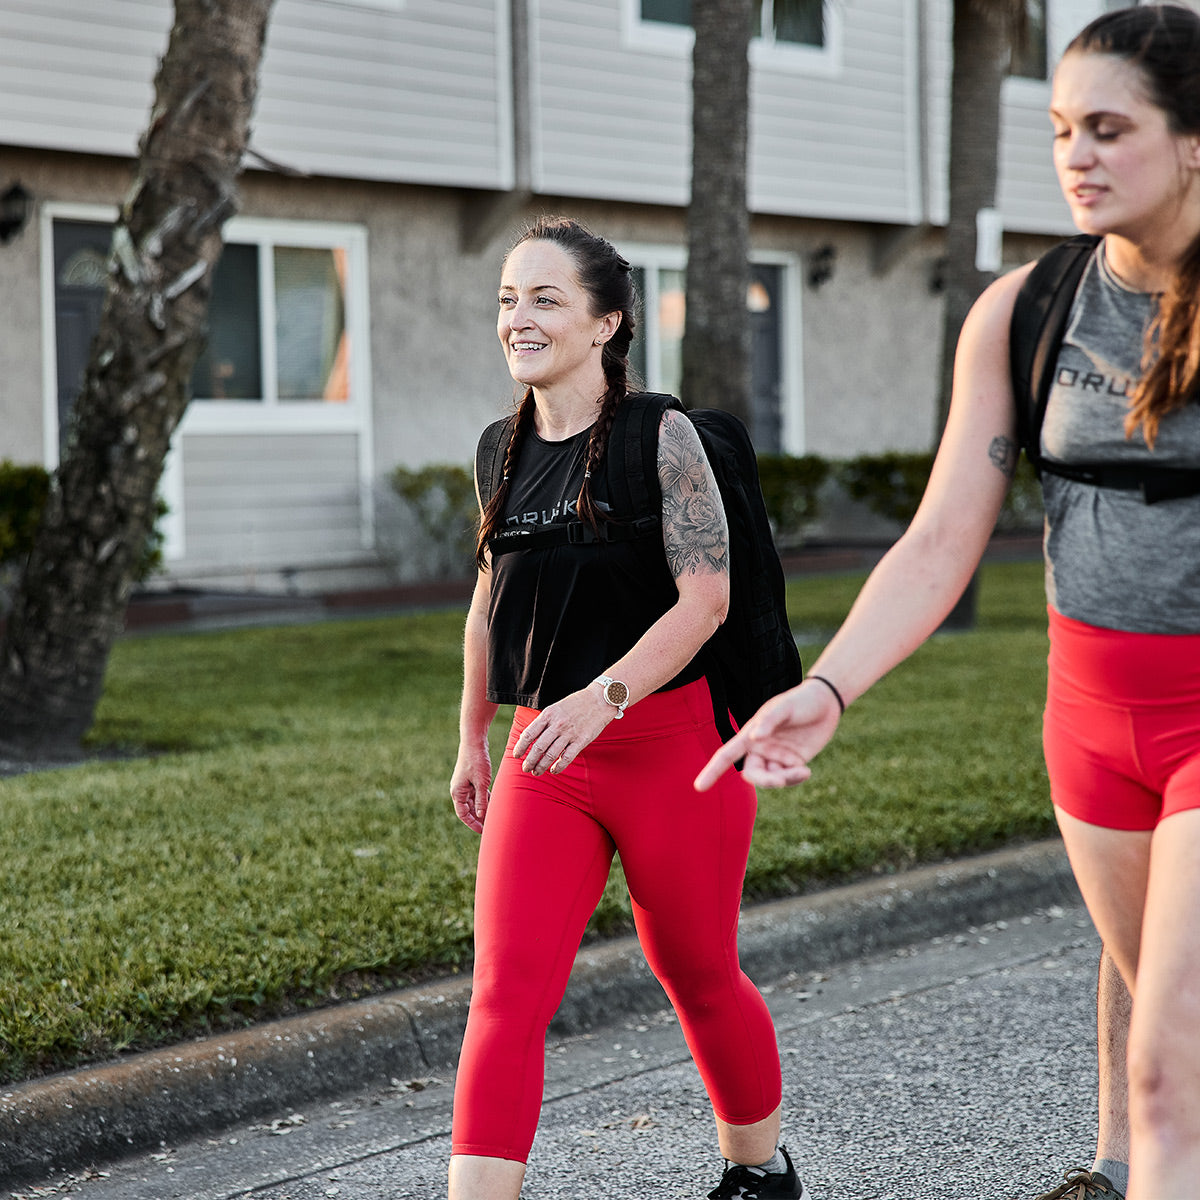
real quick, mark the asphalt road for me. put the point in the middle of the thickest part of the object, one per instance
(962, 1066)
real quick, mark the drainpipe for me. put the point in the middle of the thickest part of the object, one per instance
(488, 214)
(891, 246)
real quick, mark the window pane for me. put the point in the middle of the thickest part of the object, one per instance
(663, 296)
(801, 21)
(230, 367)
(766, 357)
(311, 345)
(1029, 61)
(671, 300)
(80, 282)
(676, 12)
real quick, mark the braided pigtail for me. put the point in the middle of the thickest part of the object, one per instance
(489, 521)
(597, 447)
(616, 370)
(1171, 377)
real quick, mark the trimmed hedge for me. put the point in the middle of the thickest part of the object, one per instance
(791, 488)
(892, 485)
(23, 492)
(441, 496)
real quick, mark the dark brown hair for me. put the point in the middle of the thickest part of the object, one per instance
(608, 280)
(1163, 42)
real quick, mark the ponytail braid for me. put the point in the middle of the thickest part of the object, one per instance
(489, 521)
(1171, 376)
(616, 370)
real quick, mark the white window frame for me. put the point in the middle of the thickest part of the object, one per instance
(1050, 56)
(652, 258)
(382, 5)
(269, 413)
(1062, 23)
(272, 415)
(794, 57)
(241, 416)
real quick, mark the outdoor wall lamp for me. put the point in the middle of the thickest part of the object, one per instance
(16, 207)
(820, 265)
(937, 275)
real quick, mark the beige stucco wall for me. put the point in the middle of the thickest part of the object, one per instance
(867, 345)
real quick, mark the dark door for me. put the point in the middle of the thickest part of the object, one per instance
(80, 278)
(766, 365)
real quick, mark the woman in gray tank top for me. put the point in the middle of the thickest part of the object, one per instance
(1122, 722)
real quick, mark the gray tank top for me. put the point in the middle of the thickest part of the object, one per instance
(1111, 559)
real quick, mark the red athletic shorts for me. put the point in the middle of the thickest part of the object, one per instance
(1122, 724)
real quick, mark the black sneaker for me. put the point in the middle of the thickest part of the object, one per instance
(749, 1183)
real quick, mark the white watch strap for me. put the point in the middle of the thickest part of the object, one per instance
(605, 682)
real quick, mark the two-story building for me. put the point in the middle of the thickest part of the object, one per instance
(398, 145)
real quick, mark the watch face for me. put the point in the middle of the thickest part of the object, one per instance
(616, 693)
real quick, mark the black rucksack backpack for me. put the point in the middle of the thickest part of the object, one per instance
(753, 654)
(1039, 322)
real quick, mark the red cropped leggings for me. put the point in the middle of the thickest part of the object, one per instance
(1122, 725)
(544, 858)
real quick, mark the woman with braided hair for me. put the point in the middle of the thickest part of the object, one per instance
(613, 720)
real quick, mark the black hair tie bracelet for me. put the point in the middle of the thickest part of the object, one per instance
(836, 694)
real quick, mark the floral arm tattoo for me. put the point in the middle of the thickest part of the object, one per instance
(1003, 452)
(695, 534)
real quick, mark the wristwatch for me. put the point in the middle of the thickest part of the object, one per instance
(615, 693)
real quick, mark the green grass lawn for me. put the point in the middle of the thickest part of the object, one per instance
(289, 839)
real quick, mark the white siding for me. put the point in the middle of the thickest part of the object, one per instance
(270, 502)
(845, 145)
(612, 119)
(1030, 199)
(418, 94)
(608, 121)
(936, 87)
(75, 75)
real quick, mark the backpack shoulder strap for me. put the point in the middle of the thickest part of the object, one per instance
(631, 463)
(489, 456)
(1039, 320)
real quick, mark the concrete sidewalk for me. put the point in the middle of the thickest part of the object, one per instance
(69, 1121)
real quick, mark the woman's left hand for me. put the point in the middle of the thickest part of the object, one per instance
(553, 739)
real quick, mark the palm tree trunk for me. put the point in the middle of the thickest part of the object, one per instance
(981, 41)
(71, 602)
(982, 44)
(716, 338)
